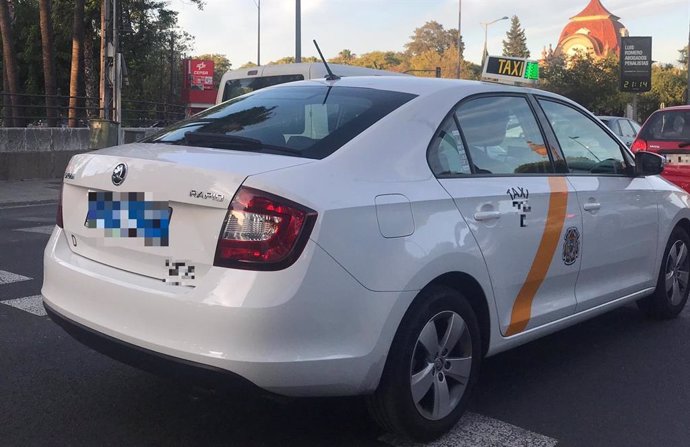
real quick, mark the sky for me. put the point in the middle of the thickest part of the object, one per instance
(229, 26)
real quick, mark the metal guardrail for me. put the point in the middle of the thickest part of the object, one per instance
(31, 111)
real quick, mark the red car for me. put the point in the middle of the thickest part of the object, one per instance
(667, 132)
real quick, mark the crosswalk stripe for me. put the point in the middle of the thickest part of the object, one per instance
(475, 430)
(9, 277)
(46, 229)
(32, 304)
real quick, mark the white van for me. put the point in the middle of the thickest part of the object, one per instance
(244, 80)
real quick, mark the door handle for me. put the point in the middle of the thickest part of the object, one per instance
(592, 206)
(486, 215)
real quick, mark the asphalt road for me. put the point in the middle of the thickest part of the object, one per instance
(617, 380)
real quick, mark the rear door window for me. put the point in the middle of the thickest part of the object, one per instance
(502, 136)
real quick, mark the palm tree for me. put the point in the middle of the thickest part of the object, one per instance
(48, 49)
(9, 58)
(77, 58)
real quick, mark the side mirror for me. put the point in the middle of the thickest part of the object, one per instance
(648, 163)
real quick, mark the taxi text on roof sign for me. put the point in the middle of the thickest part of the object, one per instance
(510, 70)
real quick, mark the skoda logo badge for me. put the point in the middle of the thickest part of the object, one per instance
(119, 174)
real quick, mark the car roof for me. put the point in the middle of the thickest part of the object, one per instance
(422, 86)
(611, 117)
(683, 107)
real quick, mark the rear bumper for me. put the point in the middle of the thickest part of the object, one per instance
(308, 330)
(147, 360)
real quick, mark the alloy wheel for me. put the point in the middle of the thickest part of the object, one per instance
(677, 272)
(441, 365)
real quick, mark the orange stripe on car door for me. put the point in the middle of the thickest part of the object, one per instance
(558, 205)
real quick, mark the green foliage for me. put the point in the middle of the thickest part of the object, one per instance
(515, 44)
(432, 37)
(669, 87)
(593, 83)
(683, 56)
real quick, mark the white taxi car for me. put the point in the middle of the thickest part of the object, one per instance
(363, 236)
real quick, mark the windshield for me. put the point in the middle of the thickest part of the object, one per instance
(310, 121)
(673, 125)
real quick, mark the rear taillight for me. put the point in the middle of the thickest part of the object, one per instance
(639, 145)
(262, 231)
(58, 215)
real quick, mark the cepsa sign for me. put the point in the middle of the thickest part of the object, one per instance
(200, 74)
(510, 70)
(198, 91)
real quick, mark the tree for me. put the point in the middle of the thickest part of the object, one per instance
(77, 59)
(344, 57)
(591, 82)
(381, 60)
(9, 59)
(432, 36)
(669, 85)
(515, 44)
(221, 64)
(48, 51)
(683, 56)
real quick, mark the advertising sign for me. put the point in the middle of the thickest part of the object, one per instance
(510, 70)
(198, 91)
(636, 64)
(201, 74)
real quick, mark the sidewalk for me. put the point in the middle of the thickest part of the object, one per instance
(29, 192)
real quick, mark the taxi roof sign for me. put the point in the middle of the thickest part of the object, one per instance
(510, 70)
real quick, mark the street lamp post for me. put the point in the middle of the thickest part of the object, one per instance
(486, 28)
(258, 31)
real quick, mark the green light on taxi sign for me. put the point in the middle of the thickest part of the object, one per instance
(532, 71)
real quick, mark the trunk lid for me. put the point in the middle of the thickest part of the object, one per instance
(190, 188)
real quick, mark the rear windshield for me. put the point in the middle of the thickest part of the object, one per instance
(673, 125)
(238, 87)
(310, 121)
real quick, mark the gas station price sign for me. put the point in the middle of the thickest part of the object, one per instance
(510, 70)
(636, 64)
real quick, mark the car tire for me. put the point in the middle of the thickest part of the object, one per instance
(672, 287)
(438, 348)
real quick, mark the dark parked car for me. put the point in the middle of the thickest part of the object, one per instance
(625, 128)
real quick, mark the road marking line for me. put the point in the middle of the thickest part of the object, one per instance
(475, 430)
(47, 229)
(36, 219)
(9, 277)
(31, 304)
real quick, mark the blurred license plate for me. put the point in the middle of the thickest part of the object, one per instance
(677, 159)
(130, 215)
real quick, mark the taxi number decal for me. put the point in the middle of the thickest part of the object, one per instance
(520, 197)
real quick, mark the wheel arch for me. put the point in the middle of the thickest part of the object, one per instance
(472, 290)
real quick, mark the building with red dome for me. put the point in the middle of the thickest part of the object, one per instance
(594, 30)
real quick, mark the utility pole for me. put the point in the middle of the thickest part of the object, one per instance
(258, 31)
(298, 32)
(687, 54)
(106, 36)
(457, 73)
